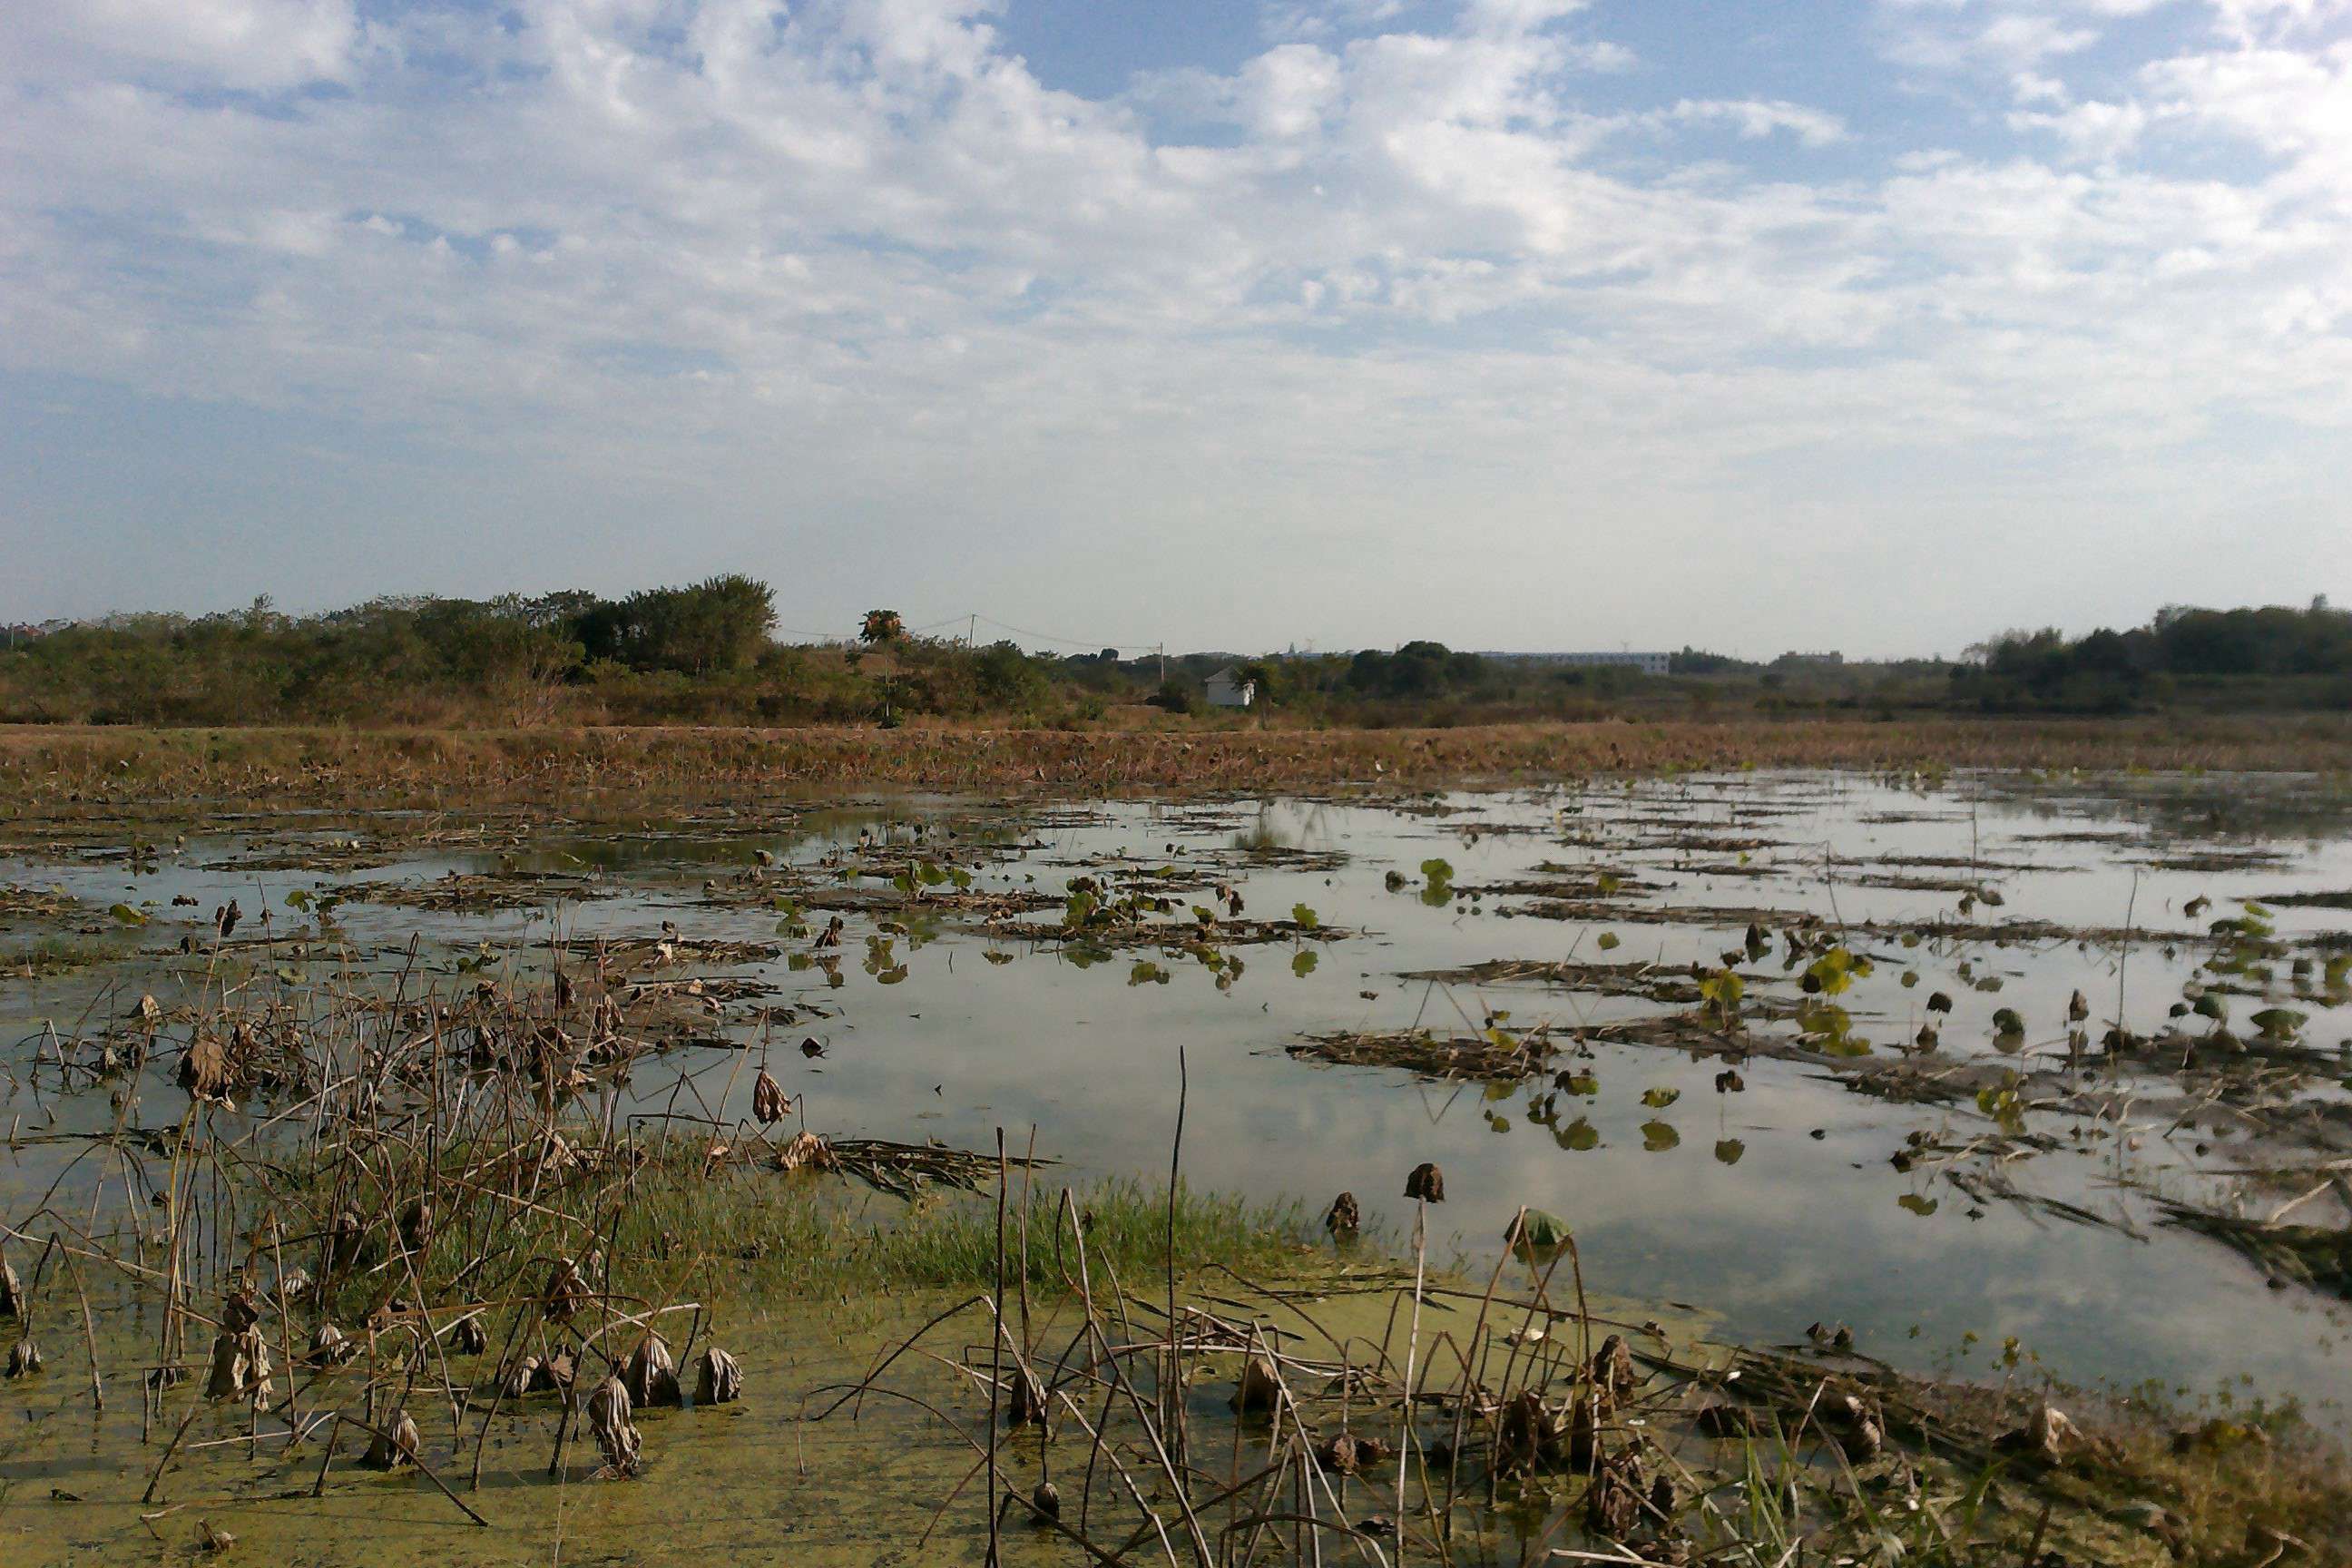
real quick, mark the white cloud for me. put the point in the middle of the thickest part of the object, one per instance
(858, 253)
(244, 44)
(2095, 132)
(1755, 119)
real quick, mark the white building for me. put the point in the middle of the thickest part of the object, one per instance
(1647, 663)
(1226, 688)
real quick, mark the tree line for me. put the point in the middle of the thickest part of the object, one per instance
(706, 653)
(2279, 655)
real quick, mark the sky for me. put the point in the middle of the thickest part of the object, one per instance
(1878, 325)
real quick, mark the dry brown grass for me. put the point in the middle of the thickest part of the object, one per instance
(91, 766)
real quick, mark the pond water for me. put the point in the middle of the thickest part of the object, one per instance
(1767, 1209)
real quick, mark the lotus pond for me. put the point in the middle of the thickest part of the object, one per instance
(1989, 1080)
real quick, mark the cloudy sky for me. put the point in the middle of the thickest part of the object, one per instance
(1876, 324)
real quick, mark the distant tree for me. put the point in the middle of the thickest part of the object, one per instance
(1697, 661)
(1175, 696)
(719, 624)
(1419, 668)
(1006, 677)
(881, 627)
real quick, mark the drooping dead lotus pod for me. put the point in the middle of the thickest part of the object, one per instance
(11, 1290)
(651, 1375)
(417, 1225)
(1047, 1500)
(608, 1421)
(721, 1380)
(1345, 1218)
(239, 1312)
(520, 1376)
(329, 1346)
(1426, 1184)
(769, 1101)
(806, 1152)
(1613, 1367)
(396, 1445)
(467, 1337)
(293, 1288)
(24, 1358)
(1259, 1388)
(567, 1290)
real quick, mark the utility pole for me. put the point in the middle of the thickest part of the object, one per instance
(1162, 649)
(971, 631)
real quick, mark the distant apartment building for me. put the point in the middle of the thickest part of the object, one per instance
(1646, 663)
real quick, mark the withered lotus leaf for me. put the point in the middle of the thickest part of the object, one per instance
(651, 1375)
(1613, 1366)
(1345, 1218)
(769, 1101)
(806, 1152)
(240, 1367)
(521, 1376)
(329, 1346)
(396, 1445)
(719, 1378)
(567, 1290)
(1260, 1386)
(609, 1412)
(1025, 1403)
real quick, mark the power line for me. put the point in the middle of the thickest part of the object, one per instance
(973, 619)
(1067, 642)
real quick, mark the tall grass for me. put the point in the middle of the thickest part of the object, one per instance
(795, 1236)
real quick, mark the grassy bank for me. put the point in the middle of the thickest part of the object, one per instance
(41, 764)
